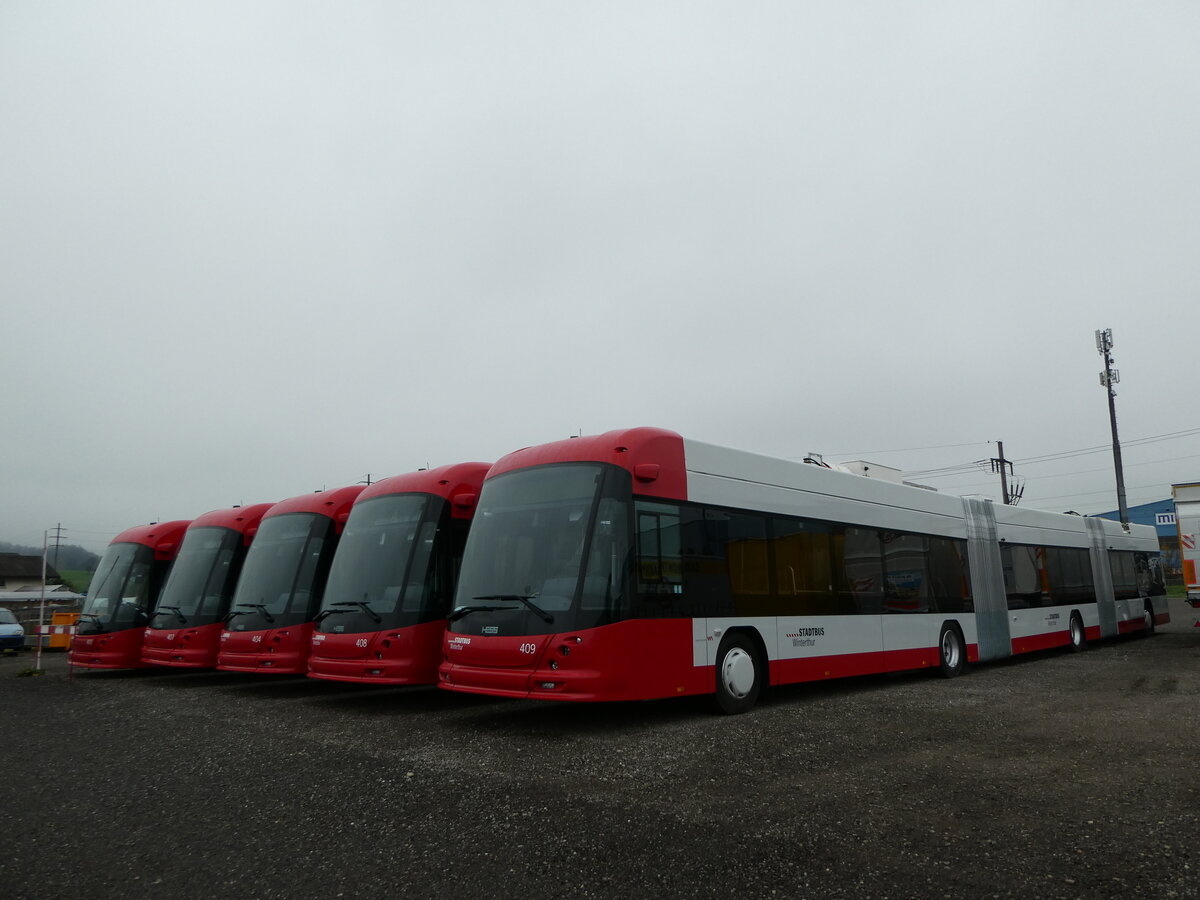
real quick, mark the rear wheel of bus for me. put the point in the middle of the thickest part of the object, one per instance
(952, 651)
(1077, 634)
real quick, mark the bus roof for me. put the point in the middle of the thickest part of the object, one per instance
(458, 482)
(666, 465)
(334, 503)
(242, 519)
(654, 456)
(161, 537)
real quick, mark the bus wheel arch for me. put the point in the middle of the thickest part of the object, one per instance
(1078, 636)
(741, 671)
(952, 650)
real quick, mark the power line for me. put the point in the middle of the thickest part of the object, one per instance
(1051, 457)
(1152, 462)
(1139, 487)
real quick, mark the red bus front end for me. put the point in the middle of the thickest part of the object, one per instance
(544, 605)
(185, 629)
(404, 655)
(393, 578)
(269, 627)
(124, 589)
(269, 651)
(655, 657)
(184, 647)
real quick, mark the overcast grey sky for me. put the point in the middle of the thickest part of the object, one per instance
(253, 249)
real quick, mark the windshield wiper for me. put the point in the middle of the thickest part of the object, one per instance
(178, 613)
(460, 611)
(266, 613)
(521, 598)
(365, 608)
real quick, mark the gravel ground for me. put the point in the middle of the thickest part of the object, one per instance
(1056, 775)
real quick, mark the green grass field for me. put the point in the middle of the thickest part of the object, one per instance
(77, 579)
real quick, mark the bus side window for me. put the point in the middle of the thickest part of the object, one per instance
(1149, 574)
(1025, 580)
(803, 570)
(747, 561)
(1124, 574)
(725, 563)
(906, 572)
(858, 565)
(658, 570)
(1069, 570)
(949, 578)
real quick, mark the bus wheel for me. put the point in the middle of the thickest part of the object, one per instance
(952, 654)
(738, 677)
(1149, 617)
(1078, 638)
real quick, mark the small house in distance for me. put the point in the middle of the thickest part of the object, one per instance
(24, 573)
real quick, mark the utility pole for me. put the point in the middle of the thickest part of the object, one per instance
(1108, 378)
(58, 530)
(1004, 467)
(37, 656)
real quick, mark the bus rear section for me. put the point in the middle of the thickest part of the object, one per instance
(185, 628)
(123, 591)
(393, 578)
(638, 565)
(269, 628)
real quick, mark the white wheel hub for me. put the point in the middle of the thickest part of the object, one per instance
(950, 651)
(737, 672)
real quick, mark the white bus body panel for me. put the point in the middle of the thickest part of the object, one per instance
(740, 480)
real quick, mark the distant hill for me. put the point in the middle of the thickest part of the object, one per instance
(67, 556)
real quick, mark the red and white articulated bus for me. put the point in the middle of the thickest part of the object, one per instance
(393, 578)
(637, 565)
(122, 593)
(269, 628)
(185, 628)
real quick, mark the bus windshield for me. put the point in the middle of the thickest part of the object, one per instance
(202, 579)
(284, 572)
(119, 596)
(381, 573)
(548, 551)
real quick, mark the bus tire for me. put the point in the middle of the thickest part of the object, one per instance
(739, 674)
(1077, 634)
(1149, 617)
(952, 651)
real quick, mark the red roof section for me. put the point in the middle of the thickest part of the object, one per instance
(162, 537)
(242, 519)
(458, 482)
(335, 504)
(654, 456)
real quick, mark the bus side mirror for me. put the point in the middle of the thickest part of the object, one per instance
(464, 499)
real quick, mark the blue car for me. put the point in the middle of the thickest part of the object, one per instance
(12, 635)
